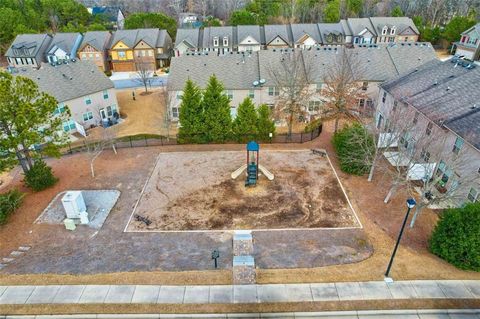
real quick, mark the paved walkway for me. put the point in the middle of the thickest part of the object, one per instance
(227, 294)
(368, 314)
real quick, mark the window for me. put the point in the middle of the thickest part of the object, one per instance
(429, 128)
(472, 195)
(361, 103)
(415, 118)
(215, 42)
(60, 109)
(384, 97)
(229, 94)
(87, 116)
(425, 155)
(121, 55)
(443, 172)
(392, 31)
(225, 41)
(84, 55)
(379, 120)
(90, 55)
(68, 125)
(395, 104)
(251, 94)
(150, 53)
(384, 30)
(88, 101)
(105, 94)
(314, 106)
(272, 91)
(111, 109)
(97, 55)
(174, 111)
(179, 95)
(365, 86)
(458, 145)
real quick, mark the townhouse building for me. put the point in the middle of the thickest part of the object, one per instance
(28, 49)
(441, 102)
(469, 44)
(94, 48)
(248, 74)
(82, 87)
(353, 31)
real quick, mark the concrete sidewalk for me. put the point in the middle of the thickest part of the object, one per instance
(243, 294)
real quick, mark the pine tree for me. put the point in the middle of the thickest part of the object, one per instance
(191, 114)
(216, 106)
(265, 124)
(245, 124)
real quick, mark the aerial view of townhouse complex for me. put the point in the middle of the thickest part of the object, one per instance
(239, 159)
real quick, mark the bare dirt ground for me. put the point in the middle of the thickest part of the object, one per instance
(145, 115)
(194, 191)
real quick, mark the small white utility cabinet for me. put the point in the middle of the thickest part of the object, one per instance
(74, 204)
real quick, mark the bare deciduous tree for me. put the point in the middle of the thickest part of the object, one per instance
(144, 74)
(292, 76)
(341, 90)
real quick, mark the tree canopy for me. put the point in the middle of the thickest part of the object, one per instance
(191, 114)
(242, 17)
(27, 121)
(216, 107)
(245, 124)
(151, 20)
(456, 26)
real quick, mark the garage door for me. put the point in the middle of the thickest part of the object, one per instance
(123, 67)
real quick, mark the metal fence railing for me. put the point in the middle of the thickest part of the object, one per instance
(145, 141)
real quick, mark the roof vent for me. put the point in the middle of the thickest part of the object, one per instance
(448, 88)
(474, 106)
(435, 83)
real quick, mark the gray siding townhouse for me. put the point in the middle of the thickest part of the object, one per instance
(219, 39)
(28, 49)
(249, 74)
(278, 36)
(443, 102)
(82, 87)
(362, 30)
(332, 33)
(64, 46)
(469, 44)
(306, 35)
(187, 41)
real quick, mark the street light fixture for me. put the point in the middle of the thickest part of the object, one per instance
(410, 204)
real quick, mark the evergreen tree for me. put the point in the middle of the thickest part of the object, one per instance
(331, 14)
(216, 106)
(191, 114)
(265, 125)
(245, 124)
(397, 12)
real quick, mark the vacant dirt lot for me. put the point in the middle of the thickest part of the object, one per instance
(194, 191)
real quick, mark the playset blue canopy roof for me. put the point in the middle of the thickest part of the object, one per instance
(253, 146)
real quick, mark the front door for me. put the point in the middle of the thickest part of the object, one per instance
(103, 114)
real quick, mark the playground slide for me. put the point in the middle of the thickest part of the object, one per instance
(239, 171)
(265, 172)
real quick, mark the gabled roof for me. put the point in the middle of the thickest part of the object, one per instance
(64, 41)
(357, 25)
(235, 71)
(69, 81)
(126, 36)
(400, 23)
(218, 32)
(446, 93)
(277, 30)
(244, 31)
(328, 28)
(310, 29)
(345, 27)
(99, 40)
(373, 63)
(408, 56)
(149, 36)
(30, 41)
(162, 36)
(475, 27)
(189, 36)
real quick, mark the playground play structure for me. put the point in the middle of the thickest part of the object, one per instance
(252, 166)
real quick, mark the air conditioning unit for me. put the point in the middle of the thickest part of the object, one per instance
(74, 204)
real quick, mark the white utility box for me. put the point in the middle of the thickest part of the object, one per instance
(74, 204)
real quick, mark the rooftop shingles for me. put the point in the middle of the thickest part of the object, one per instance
(28, 41)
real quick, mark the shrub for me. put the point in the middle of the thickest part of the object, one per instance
(9, 202)
(355, 148)
(108, 73)
(40, 176)
(456, 238)
(313, 125)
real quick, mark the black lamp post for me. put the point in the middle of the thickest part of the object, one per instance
(410, 204)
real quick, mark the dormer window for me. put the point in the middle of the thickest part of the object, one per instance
(225, 41)
(384, 30)
(392, 31)
(215, 42)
